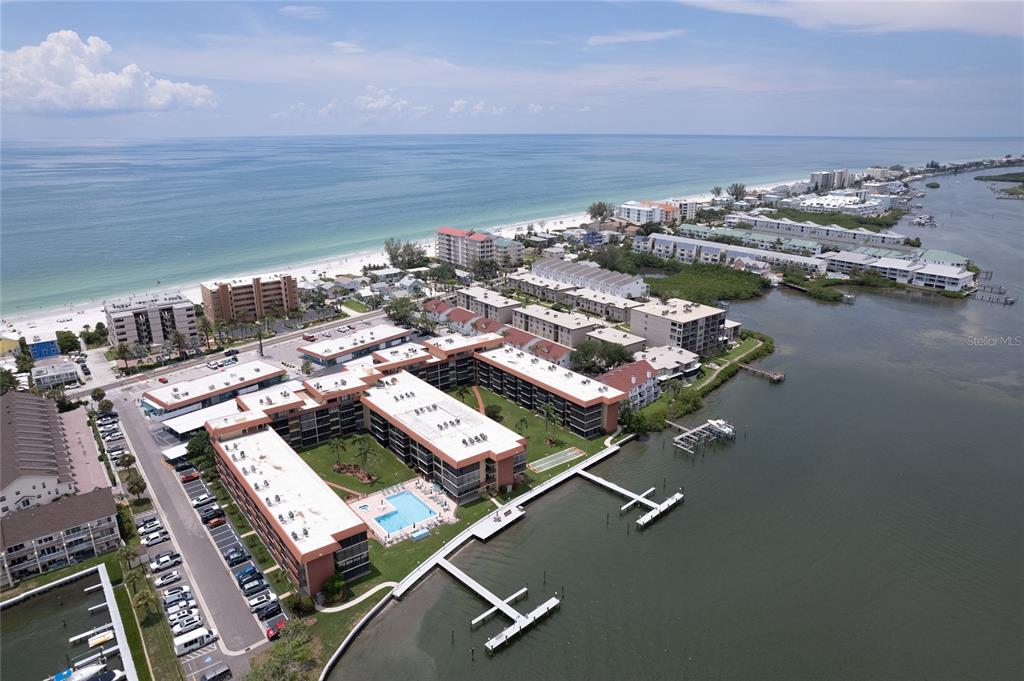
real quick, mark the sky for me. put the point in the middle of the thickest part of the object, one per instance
(752, 67)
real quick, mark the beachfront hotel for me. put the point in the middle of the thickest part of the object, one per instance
(311, 532)
(250, 299)
(149, 320)
(680, 323)
(354, 345)
(175, 399)
(565, 328)
(454, 445)
(463, 247)
(579, 404)
(486, 302)
(589, 275)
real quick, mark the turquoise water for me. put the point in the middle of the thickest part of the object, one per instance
(408, 511)
(88, 221)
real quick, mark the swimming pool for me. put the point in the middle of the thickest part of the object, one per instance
(408, 510)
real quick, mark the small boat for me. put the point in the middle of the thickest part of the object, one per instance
(92, 672)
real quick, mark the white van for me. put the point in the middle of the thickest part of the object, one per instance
(193, 640)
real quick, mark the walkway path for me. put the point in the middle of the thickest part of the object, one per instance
(479, 400)
(342, 487)
(357, 601)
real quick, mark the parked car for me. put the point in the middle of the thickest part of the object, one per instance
(274, 630)
(177, 599)
(186, 625)
(180, 606)
(211, 365)
(272, 609)
(162, 379)
(183, 466)
(259, 600)
(174, 591)
(247, 574)
(165, 561)
(231, 353)
(251, 588)
(167, 578)
(154, 538)
(189, 476)
(150, 526)
(236, 556)
(215, 521)
(219, 673)
(309, 337)
(210, 512)
(182, 614)
(86, 370)
(203, 500)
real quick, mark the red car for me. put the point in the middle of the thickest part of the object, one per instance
(189, 477)
(274, 630)
(216, 522)
(162, 379)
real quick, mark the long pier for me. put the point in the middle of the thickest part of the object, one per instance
(773, 376)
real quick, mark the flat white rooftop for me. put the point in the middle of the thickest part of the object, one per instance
(604, 298)
(454, 342)
(246, 281)
(403, 352)
(617, 336)
(230, 378)
(664, 357)
(146, 300)
(678, 310)
(552, 377)
(452, 429)
(485, 295)
(308, 512)
(287, 393)
(566, 320)
(544, 282)
(357, 340)
(193, 420)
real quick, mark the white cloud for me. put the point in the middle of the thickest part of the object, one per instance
(343, 47)
(633, 37)
(457, 106)
(296, 111)
(380, 100)
(483, 107)
(376, 102)
(535, 108)
(307, 12)
(64, 74)
(988, 18)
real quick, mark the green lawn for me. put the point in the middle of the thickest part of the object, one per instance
(707, 284)
(132, 632)
(155, 632)
(382, 463)
(743, 348)
(356, 305)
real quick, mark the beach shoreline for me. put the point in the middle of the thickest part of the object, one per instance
(75, 316)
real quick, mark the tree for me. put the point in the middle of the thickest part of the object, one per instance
(291, 657)
(139, 351)
(493, 412)
(180, 342)
(307, 367)
(105, 406)
(716, 190)
(737, 190)
(200, 450)
(365, 450)
(97, 394)
(338, 447)
(134, 484)
(445, 272)
(599, 210)
(485, 269)
(122, 353)
(205, 327)
(145, 600)
(404, 254)
(593, 356)
(425, 324)
(127, 460)
(68, 342)
(334, 588)
(7, 381)
(462, 392)
(550, 415)
(400, 310)
(522, 425)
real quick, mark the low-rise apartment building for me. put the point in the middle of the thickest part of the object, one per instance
(812, 230)
(463, 247)
(607, 334)
(589, 275)
(332, 351)
(487, 303)
(46, 376)
(671, 362)
(149, 320)
(580, 404)
(540, 287)
(916, 272)
(637, 379)
(566, 328)
(689, 250)
(175, 399)
(250, 298)
(680, 323)
(640, 212)
(615, 308)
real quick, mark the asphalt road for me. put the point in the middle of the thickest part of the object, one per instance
(218, 595)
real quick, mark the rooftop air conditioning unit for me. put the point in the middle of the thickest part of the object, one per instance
(295, 536)
(265, 483)
(280, 518)
(305, 532)
(291, 515)
(277, 498)
(267, 499)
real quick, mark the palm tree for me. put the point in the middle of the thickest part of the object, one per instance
(205, 327)
(548, 411)
(145, 600)
(462, 392)
(365, 449)
(338, 447)
(123, 353)
(179, 342)
(716, 190)
(522, 425)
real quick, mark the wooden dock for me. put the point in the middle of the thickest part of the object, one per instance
(654, 509)
(773, 376)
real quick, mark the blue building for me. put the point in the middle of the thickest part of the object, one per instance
(41, 348)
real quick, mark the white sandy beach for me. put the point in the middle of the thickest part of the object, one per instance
(74, 317)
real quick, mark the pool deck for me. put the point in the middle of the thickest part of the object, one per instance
(377, 504)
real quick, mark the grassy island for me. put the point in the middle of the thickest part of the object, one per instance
(703, 283)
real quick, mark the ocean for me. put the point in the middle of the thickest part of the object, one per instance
(86, 221)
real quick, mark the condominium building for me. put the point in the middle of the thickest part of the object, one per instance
(825, 180)
(566, 328)
(580, 404)
(46, 376)
(812, 230)
(487, 303)
(607, 305)
(670, 362)
(463, 247)
(888, 187)
(589, 275)
(606, 334)
(250, 299)
(688, 250)
(41, 539)
(175, 399)
(637, 379)
(43, 346)
(913, 271)
(459, 448)
(540, 287)
(149, 320)
(640, 212)
(310, 531)
(680, 323)
(353, 345)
